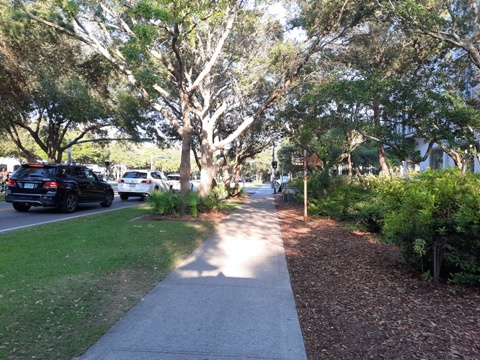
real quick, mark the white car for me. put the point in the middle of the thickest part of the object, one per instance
(141, 183)
(174, 182)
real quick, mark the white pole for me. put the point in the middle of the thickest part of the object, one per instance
(305, 215)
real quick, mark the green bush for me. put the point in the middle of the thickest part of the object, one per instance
(165, 202)
(192, 200)
(215, 198)
(220, 192)
(434, 218)
(169, 202)
(242, 193)
(320, 185)
(342, 202)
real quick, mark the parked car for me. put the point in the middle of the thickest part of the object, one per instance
(174, 182)
(141, 183)
(54, 185)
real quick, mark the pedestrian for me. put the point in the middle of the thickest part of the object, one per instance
(4, 178)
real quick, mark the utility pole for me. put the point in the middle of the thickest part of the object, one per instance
(274, 166)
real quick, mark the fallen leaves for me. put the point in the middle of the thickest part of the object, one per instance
(356, 300)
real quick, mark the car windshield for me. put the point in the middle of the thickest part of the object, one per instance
(173, 177)
(35, 172)
(134, 175)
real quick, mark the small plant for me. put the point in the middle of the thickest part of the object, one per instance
(192, 200)
(350, 227)
(220, 192)
(419, 246)
(242, 193)
(215, 198)
(427, 277)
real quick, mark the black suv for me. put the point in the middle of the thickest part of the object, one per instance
(62, 186)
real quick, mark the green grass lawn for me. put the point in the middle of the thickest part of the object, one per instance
(65, 284)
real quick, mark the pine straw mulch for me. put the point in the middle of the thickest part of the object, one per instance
(356, 300)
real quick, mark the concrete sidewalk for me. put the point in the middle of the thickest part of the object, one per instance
(230, 299)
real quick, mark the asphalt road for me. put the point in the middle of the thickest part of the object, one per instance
(11, 219)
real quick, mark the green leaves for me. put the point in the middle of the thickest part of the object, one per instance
(177, 11)
(192, 200)
(419, 247)
(146, 33)
(153, 10)
(165, 202)
(438, 209)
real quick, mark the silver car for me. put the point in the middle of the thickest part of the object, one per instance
(141, 183)
(174, 182)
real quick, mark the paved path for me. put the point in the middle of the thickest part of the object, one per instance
(230, 299)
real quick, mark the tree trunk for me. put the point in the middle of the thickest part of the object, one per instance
(207, 173)
(185, 165)
(360, 176)
(382, 160)
(381, 149)
(350, 166)
(457, 157)
(236, 174)
(437, 262)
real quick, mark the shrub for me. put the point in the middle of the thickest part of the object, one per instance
(435, 220)
(165, 202)
(192, 200)
(342, 202)
(215, 198)
(320, 185)
(242, 193)
(220, 192)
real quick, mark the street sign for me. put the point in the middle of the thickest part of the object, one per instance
(297, 159)
(312, 160)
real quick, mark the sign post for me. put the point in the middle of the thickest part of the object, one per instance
(305, 214)
(312, 160)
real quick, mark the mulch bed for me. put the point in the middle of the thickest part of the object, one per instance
(356, 299)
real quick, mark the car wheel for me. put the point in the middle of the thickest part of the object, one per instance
(123, 197)
(70, 203)
(108, 199)
(21, 207)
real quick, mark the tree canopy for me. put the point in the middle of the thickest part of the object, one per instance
(213, 75)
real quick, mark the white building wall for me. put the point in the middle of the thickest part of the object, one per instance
(422, 146)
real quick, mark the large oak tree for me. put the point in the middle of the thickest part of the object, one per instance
(50, 89)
